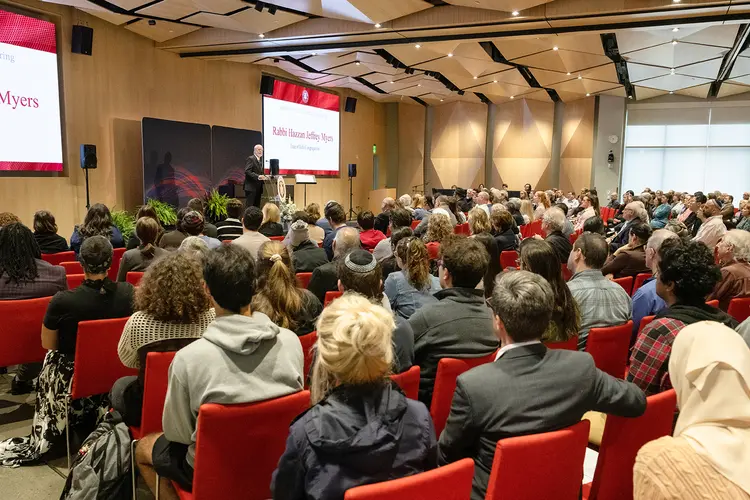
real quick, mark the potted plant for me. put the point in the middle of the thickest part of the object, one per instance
(125, 222)
(216, 206)
(164, 211)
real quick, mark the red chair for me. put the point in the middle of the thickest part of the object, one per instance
(462, 229)
(445, 385)
(508, 259)
(97, 365)
(567, 273)
(21, 331)
(433, 250)
(536, 228)
(238, 447)
(303, 279)
(739, 308)
(713, 303)
(622, 438)
(58, 258)
(645, 321)
(117, 254)
(72, 267)
(574, 236)
(134, 278)
(626, 283)
(414, 224)
(330, 297)
(609, 348)
(516, 474)
(450, 482)
(308, 344)
(75, 280)
(569, 345)
(640, 279)
(408, 381)
(276, 238)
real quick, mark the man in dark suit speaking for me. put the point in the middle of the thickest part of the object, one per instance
(254, 177)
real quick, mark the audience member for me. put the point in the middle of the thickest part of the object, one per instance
(542, 204)
(98, 222)
(661, 212)
(727, 209)
(389, 264)
(195, 248)
(384, 217)
(438, 228)
(553, 223)
(399, 219)
(514, 207)
(630, 260)
(306, 255)
(271, 225)
(170, 303)
(594, 225)
(601, 302)
(278, 296)
(459, 323)
(252, 239)
(360, 429)
(360, 272)
(571, 201)
(198, 205)
(172, 239)
(465, 199)
(527, 211)
(414, 286)
(405, 201)
(231, 228)
(45, 233)
(733, 253)
(479, 223)
(145, 211)
(590, 205)
(483, 201)
(505, 238)
(313, 210)
(241, 358)
(193, 225)
(96, 298)
(708, 455)
(337, 220)
(613, 203)
(632, 214)
(567, 229)
(539, 257)
(529, 388)
(368, 236)
(453, 207)
(316, 233)
(23, 275)
(686, 274)
(419, 207)
(139, 259)
(8, 218)
(324, 278)
(744, 220)
(493, 267)
(691, 219)
(712, 228)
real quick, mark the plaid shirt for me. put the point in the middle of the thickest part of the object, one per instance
(649, 363)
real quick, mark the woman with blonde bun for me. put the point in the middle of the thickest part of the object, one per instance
(361, 428)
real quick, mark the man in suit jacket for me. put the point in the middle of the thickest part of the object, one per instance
(633, 214)
(254, 177)
(529, 389)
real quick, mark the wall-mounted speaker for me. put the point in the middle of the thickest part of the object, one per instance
(88, 156)
(83, 40)
(351, 105)
(273, 163)
(352, 170)
(266, 84)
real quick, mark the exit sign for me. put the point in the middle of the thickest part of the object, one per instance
(374, 149)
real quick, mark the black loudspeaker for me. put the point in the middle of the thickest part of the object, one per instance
(352, 170)
(266, 84)
(351, 105)
(83, 40)
(88, 156)
(274, 166)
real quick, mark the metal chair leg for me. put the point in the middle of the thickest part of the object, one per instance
(134, 479)
(67, 430)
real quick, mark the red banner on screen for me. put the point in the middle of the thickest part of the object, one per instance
(30, 166)
(24, 31)
(301, 95)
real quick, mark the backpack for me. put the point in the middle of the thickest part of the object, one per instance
(101, 470)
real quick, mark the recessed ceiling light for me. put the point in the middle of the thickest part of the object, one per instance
(377, 25)
(580, 77)
(675, 30)
(512, 97)
(674, 42)
(450, 54)
(670, 92)
(588, 95)
(417, 46)
(475, 78)
(391, 81)
(357, 63)
(568, 73)
(671, 71)
(314, 54)
(630, 97)
(514, 13)
(675, 1)
(554, 48)
(419, 85)
(441, 100)
(262, 35)
(494, 81)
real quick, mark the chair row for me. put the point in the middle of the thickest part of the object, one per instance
(72, 266)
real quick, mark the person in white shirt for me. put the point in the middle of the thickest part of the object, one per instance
(251, 239)
(713, 228)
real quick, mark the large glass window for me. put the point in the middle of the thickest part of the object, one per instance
(693, 149)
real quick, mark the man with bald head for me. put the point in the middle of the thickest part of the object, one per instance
(712, 228)
(633, 213)
(325, 278)
(254, 177)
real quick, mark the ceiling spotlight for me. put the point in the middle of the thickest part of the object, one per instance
(314, 54)
(262, 35)
(630, 97)
(674, 42)
(494, 81)
(475, 78)
(391, 81)
(554, 48)
(417, 46)
(259, 6)
(512, 97)
(450, 54)
(151, 22)
(671, 71)
(675, 1)
(675, 30)
(588, 95)
(580, 77)
(441, 100)
(357, 63)
(419, 85)
(568, 73)
(377, 25)
(671, 92)
(514, 13)
(272, 10)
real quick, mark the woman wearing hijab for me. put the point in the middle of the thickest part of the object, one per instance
(709, 455)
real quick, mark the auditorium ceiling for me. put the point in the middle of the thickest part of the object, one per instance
(434, 51)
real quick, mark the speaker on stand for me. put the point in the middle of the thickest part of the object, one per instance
(88, 162)
(352, 174)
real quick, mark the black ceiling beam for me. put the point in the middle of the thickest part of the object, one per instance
(527, 75)
(299, 63)
(437, 3)
(119, 10)
(741, 43)
(611, 50)
(282, 9)
(396, 63)
(369, 85)
(420, 101)
(482, 98)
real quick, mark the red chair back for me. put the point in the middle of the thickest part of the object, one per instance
(445, 385)
(569, 345)
(72, 267)
(134, 278)
(567, 273)
(622, 438)
(626, 283)
(508, 259)
(639, 280)
(21, 331)
(303, 279)
(450, 482)
(713, 303)
(609, 348)
(536, 228)
(97, 365)
(739, 308)
(276, 238)
(238, 447)
(75, 280)
(408, 381)
(645, 321)
(574, 236)
(462, 229)
(414, 224)
(308, 344)
(433, 250)
(155, 391)
(57, 258)
(516, 474)
(330, 297)
(116, 258)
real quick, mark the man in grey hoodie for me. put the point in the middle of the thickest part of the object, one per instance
(242, 357)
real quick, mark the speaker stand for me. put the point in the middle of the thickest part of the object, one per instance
(351, 196)
(88, 201)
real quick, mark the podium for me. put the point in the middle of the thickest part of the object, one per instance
(271, 192)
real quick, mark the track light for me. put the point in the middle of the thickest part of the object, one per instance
(674, 42)
(450, 54)
(259, 6)
(555, 48)
(377, 25)
(588, 95)
(514, 13)
(460, 92)
(272, 10)
(261, 35)
(675, 30)
(417, 46)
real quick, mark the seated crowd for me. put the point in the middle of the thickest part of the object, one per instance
(417, 283)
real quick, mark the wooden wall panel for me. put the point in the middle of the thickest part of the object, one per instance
(411, 122)
(458, 143)
(522, 144)
(577, 146)
(127, 78)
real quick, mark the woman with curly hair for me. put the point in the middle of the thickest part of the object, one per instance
(278, 295)
(171, 303)
(414, 286)
(98, 222)
(438, 227)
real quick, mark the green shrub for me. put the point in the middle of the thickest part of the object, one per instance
(166, 213)
(125, 222)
